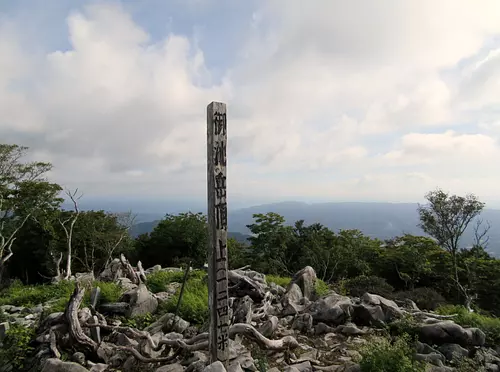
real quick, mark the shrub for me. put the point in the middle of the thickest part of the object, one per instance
(425, 298)
(404, 326)
(489, 325)
(159, 280)
(140, 321)
(17, 346)
(194, 304)
(380, 356)
(321, 287)
(372, 284)
(110, 292)
(279, 280)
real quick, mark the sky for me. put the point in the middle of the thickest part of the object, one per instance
(327, 101)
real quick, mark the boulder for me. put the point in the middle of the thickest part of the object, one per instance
(215, 367)
(141, 301)
(306, 280)
(453, 351)
(176, 367)
(167, 323)
(56, 365)
(448, 332)
(332, 310)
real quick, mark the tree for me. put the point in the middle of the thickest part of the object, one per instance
(24, 194)
(445, 218)
(68, 224)
(176, 239)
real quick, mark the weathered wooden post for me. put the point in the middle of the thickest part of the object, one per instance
(217, 225)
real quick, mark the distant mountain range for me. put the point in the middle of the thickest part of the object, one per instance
(377, 220)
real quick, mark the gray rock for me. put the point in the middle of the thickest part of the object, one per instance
(141, 301)
(303, 323)
(167, 323)
(243, 310)
(448, 332)
(126, 284)
(436, 359)
(453, 351)
(4, 327)
(99, 367)
(306, 280)
(85, 278)
(78, 358)
(56, 365)
(38, 309)
(301, 367)
(176, 367)
(215, 367)
(492, 367)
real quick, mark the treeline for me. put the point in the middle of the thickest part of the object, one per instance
(39, 242)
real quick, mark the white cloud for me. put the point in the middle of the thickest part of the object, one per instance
(390, 98)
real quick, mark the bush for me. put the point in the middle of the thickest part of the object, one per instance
(321, 288)
(194, 304)
(404, 326)
(380, 356)
(110, 292)
(159, 280)
(360, 285)
(279, 280)
(17, 346)
(425, 298)
(489, 325)
(139, 322)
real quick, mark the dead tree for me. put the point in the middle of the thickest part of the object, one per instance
(68, 225)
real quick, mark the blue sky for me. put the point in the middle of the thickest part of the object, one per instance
(341, 101)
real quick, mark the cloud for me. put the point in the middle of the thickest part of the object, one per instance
(335, 99)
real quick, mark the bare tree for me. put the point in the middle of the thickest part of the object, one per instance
(481, 237)
(126, 221)
(68, 225)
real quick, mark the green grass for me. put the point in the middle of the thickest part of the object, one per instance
(159, 280)
(194, 305)
(489, 325)
(279, 280)
(321, 288)
(58, 294)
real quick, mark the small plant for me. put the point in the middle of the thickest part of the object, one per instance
(382, 356)
(16, 346)
(194, 304)
(321, 288)
(278, 280)
(110, 292)
(404, 326)
(23, 295)
(139, 322)
(158, 281)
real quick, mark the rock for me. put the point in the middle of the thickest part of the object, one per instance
(85, 279)
(243, 311)
(448, 332)
(215, 367)
(38, 309)
(267, 329)
(112, 271)
(167, 323)
(306, 280)
(126, 284)
(491, 367)
(436, 359)
(56, 365)
(16, 309)
(153, 269)
(453, 351)
(4, 327)
(234, 367)
(332, 310)
(303, 323)
(349, 329)
(99, 367)
(301, 367)
(141, 301)
(176, 367)
(376, 309)
(78, 358)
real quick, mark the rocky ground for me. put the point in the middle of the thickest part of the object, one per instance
(273, 329)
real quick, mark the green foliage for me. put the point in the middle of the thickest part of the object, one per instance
(237, 253)
(177, 239)
(110, 292)
(404, 326)
(382, 356)
(372, 284)
(424, 298)
(194, 304)
(489, 325)
(17, 346)
(321, 287)
(158, 281)
(139, 322)
(20, 295)
(279, 280)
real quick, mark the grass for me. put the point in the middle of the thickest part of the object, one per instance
(279, 280)
(194, 305)
(489, 325)
(158, 281)
(58, 294)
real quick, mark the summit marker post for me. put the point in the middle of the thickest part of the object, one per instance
(218, 295)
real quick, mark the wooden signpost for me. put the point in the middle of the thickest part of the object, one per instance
(217, 225)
